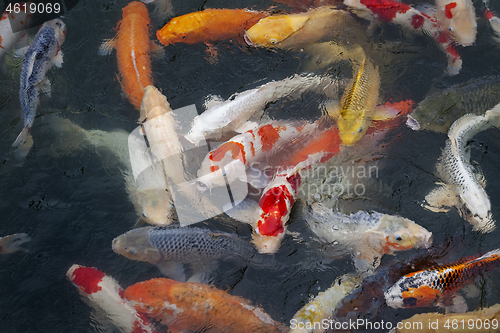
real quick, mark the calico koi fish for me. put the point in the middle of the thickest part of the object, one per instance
(366, 236)
(104, 295)
(44, 51)
(462, 187)
(413, 20)
(133, 49)
(296, 30)
(9, 38)
(489, 315)
(10, 244)
(459, 17)
(208, 25)
(434, 286)
(194, 306)
(234, 113)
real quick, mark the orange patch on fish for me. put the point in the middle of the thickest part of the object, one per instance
(208, 25)
(269, 135)
(448, 8)
(87, 279)
(422, 296)
(237, 152)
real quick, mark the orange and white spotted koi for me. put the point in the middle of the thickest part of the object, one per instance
(413, 20)
(234, 157)
(9, 38)
(436, 286)
(104, 295)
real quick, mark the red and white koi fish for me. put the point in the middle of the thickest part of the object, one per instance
(8, 38)
(413, 20)
(493, 19)
(459, 17)
(436, 286)
(234, 157)
(104, 295)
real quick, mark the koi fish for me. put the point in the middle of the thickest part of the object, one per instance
(44, 51)
(104, 295)
(493, 19)
(133, 49)
(8, 38)
(432, 287)
(438, 111)
(295, 30)
(366, 236)
(10, 244)
(411, 19)
(459, 17)
(174, 245)
(323, 305)
(231, 159)
(486, 315)
(208, 25)
(462, 187)
(193, 307)
(233, 114)
(357, 106)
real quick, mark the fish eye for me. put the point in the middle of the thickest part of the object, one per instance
(467, 210)
(451, 28)
(399, 238)
(132, 252)
(273, 41)
(144, 214)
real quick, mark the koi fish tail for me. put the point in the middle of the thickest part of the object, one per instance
(274, 211)
(11, 243)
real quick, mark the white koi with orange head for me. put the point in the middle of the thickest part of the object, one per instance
(459, 17)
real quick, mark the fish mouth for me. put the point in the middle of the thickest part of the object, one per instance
(412, 123)
(426, 242)
(247, 39)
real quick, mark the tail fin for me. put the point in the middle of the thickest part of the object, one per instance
(24, 142)
(10, 244)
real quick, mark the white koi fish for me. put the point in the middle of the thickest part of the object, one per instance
(461, 186)
(366, 236)
(413, 20)
(104, 295)
(232, 114)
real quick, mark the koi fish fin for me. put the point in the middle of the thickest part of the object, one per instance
(172, 269)
(156, 50)
(478, 172)
(11, 243)
(100, 321)
(107, 47)
(249, 125)
(384, 112)
(455, 304)
(366, 260)
(333, 109)
(24, 138)
(44, 86)
(212, 101)
(58, 59)
(202, 271)
(21, 46)
(245, 211)
(440, 199)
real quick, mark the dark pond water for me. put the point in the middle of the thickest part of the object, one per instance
(72, 205)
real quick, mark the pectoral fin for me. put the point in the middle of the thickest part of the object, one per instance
(384, 113)
(172, 269)
(366, 260)
(58, 59)
(440, 199)
(333, 109)
(107, 47)
(44, 86)
(156, 50)
(202, 271)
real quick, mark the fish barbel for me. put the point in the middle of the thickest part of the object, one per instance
(194, 306)
(430, 287)
(44, 51)
(438, 111)
(357, 105)
(366, 236)
(462, 187)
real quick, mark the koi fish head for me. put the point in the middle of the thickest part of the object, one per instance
(273, 30)
(476, 209)
(135, 245)
(460, 18)
(154, 205)
(401, 234)
(352, 130)
(154, 104)
(59, 29)
(152, 297)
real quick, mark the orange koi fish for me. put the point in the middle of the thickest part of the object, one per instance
(133, 48)
(435, 286)
(197, 307)
(208, 25)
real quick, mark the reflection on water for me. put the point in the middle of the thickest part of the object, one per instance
(72, 198)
